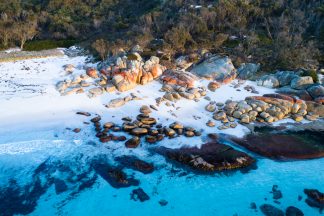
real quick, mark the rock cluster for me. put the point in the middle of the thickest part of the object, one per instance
(144, 126)
(73, 86)
(130, 70)
(291, 83)
(122, 73)
(176, 92)
(268, 108)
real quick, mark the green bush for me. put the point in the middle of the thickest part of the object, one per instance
(264, 40)
(38, 45)
(311, 73)
(230, 43)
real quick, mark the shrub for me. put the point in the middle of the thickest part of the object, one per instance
(311, 73)
(38, 45)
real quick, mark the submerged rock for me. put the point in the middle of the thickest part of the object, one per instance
(134, 163)
(270, 210)
(139, 194)
(60, 186)
(276, 192)
(114, 176)
(163, 202)
(212, 156)
(293, 211)
(314, 198)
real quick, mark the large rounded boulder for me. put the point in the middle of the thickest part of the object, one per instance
(218, 68)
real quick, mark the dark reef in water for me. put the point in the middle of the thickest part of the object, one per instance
(16, 199)
(134, 163)
(114, 176)
(68, 176)
(139, 194)
(314, 198)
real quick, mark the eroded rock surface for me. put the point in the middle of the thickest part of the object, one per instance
(284, 144)
(212, 156)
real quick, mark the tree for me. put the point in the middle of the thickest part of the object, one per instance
(178, 37)
(102, 48)
(25, 30)
(5, 29)
(5, 32)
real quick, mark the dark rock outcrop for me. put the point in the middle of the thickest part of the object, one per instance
(284, 144)
(212, 156)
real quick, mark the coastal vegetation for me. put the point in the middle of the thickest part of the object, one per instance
(278, 34)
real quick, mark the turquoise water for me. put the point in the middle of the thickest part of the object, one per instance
(27, 159)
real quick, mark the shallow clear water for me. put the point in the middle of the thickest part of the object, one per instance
(24, 161)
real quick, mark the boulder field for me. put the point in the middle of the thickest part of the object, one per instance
(294, 84)
(268, 108)
(126, 71)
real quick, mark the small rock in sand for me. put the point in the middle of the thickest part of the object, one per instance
(145, 109)
(210, 123)
(84, 113)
